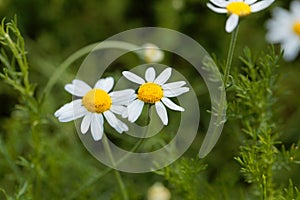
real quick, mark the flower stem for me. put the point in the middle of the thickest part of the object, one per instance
(103, 173)
(211, 139)
(117, 173)
(230, 55)
(121, 185)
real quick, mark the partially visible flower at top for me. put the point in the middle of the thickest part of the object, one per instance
(93, 104)
(154, 91)
(284, 28)
(158, 192)
(236, 9)
(151, 53)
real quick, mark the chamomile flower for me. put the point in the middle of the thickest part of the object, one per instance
(158, 192)
(151, 53)
(93, 104)
(236, 9)
(284, 28)
(154, 91)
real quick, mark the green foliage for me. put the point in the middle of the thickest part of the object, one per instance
(292, 192)
(256, 105)
(185, 177)
(257, 156)
(15, 68)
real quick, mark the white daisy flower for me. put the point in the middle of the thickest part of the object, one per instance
(151, 53)
(158, 192)
(237, 9)
(284, 28)
(154, 91)
(94, 104)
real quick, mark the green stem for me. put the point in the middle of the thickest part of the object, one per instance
(103, 173)
(121, 185)
(22, 61)
(108, 170)
(11, 162)
(230, 55)
(78, 54)
(210, 140)
(117, 173)
(264, 187)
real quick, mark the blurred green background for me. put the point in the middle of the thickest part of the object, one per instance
(54, 29)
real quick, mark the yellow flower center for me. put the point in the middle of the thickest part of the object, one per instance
(97, 100)
(296, 28)
(150, 92)
(238, 8)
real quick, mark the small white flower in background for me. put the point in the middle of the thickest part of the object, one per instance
(284, 28)
(236, 9)
(154, 91)
(151, 53)
(94, 104)
(158, 192)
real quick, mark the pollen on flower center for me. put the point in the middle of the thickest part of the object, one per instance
(97, 100)
(150, 92)
(296, 28)
(238, 8)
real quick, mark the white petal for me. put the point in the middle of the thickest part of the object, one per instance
(132, 97)
(277, 34)
(164, 76)
(291, 49)
(173, 85)
(125, 113)
(176, 92)
(261, 5)
(134, 110)
(170, 104)
(281, 14)
(249, 2)
(69, 107)
(97, 126)
(115, 122)
(118, 109)
(231, 23)
(86, 122)
(78, 88)
(121, 97)
(75, 114)
(162, 112)
(110, 118)
(150, 74)
(123, 126)
(219, 3)
(105, 84)
(295, 8)
(215, 9)
(133, 77)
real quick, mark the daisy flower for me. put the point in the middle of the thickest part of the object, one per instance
(284, 28)
(93, 104)
(151, 53)
(154, 91)
(236, 9)
(158, 192)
